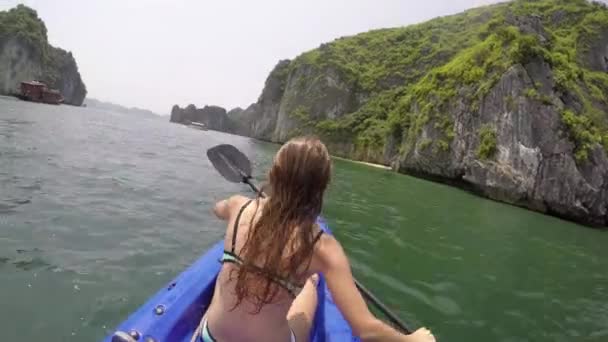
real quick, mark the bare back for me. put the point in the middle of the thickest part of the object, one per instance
(230, 323)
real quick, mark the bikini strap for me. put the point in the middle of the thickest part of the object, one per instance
(236, 225)
(314, 241)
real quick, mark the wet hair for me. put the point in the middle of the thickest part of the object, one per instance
(281, 242)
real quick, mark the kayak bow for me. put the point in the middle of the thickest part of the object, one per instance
(175, 311)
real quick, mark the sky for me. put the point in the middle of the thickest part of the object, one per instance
(156, 53)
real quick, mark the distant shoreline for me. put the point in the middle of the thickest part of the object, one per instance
(378, 166)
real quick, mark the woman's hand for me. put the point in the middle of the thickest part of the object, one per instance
(421, 335)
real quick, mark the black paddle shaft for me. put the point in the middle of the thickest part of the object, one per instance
(386, 311)
(233, 165)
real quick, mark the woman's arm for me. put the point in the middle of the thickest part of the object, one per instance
(336, 269)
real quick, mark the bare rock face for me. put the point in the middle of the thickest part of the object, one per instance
(294, 96)
(176, 114)
(597, 55)
(263, 115)
(213, 117)
(18, 62)
(239, 119)
(62, 74)
(311, 95)
(534, 164)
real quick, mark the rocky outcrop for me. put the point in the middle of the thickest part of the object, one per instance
(500, 100)
(213, 117)
(597, 55)
(534, 164)
(260, 119)
(239, 120)
(26, 55)
(18, 62)
(293, 94)
(535, 159)
(312, 95)
(62, 74)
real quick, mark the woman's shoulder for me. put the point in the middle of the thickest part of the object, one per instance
(235, 202)
(329, 252)
(228, 208)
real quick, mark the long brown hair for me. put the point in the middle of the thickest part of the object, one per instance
(281, 242)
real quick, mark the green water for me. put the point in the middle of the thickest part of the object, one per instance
(99, 210)
(470, 268)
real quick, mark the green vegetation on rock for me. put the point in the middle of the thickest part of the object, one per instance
(301, 114)
(410, 79)
(487, 143)
(505, 98)
(302, 117)
(23, 23)
(586, 134)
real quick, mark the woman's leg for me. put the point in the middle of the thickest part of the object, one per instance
(301, 315)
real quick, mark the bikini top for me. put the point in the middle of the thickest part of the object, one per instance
(231, 257)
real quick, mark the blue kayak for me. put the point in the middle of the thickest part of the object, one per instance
(174, 312)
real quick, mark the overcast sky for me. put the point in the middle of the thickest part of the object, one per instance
(156, 53)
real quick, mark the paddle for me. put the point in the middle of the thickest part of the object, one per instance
(233, 165)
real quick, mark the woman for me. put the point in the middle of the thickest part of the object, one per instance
(266, 289)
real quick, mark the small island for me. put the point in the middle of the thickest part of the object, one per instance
(50, 73)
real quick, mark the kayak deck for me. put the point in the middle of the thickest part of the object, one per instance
(175, 311)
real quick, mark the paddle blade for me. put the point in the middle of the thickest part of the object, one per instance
(231, 163)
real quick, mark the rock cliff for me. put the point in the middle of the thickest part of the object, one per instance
(213, 117)
(510, 101)
(25, 55)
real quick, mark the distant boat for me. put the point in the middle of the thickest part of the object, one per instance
(39, 92)
(198, 125)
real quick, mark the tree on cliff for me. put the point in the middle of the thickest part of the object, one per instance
(23, 22)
